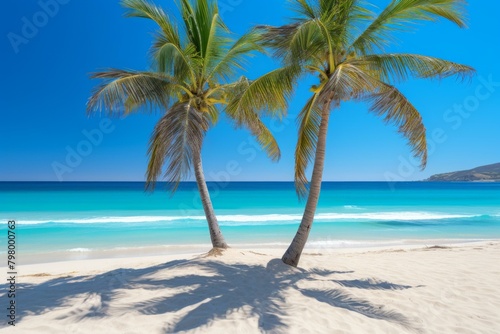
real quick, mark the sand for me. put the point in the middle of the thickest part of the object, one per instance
(410, 290)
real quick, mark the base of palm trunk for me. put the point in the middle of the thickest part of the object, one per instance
(220, 246)
(216, 251)
(294, 251)
(218, 241)
(290, 259)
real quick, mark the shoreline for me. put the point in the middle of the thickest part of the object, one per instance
(328, 247)
(191, 253)
(389, 290)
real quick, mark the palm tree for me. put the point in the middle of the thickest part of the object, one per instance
(192, 81)
(345, 44)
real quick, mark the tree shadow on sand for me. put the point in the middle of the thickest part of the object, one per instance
(212, 290)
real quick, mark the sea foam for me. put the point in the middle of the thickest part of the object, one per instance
(275, 218)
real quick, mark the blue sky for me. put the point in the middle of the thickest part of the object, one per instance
(46, 84)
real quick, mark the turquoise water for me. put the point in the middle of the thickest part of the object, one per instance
(81, 219)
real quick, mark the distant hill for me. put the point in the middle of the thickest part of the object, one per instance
(484, 173)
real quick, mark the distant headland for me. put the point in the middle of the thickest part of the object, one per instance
(488, 173)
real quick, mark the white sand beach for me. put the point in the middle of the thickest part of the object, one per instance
(410, 290)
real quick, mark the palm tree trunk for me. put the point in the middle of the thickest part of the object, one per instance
(213, 225)
(294, 251)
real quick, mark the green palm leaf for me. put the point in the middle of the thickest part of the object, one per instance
(269, 93)
(386, 102)
(399, 15)
(304, 9)
(176, 139)
(400, 67)
(199, 21)
(147, 10)
(390, 104)
(309, 121)
(235, 57)
(261, 133)
(180, 63)
(131, 90)
(295, 42)
(326, 29)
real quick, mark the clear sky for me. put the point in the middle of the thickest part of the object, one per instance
(46, 60)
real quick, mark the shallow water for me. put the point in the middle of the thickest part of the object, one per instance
(86, 220)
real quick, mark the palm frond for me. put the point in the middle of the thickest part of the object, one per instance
(235, 57)
(390, 104)
(400, 67)
(180, 63)
(352, 83)
(304, 42)
(399, 15)
(338, 22)
(217, 45)
(309, 121)
(168, 51)
(346, 83)
(278, 38)
(269, 94)
(304, 8)
(324, 28)
(198, 21)
(125, 91)
(344, 23)
(259, 130)
(212, 114)
(145, 9)
(176, 139)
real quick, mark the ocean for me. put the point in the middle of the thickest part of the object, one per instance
(83, 220)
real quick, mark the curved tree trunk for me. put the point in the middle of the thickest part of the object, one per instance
(294, 251)
(213, 225)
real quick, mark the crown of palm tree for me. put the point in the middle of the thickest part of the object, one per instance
(344, 43)
(193, 81)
